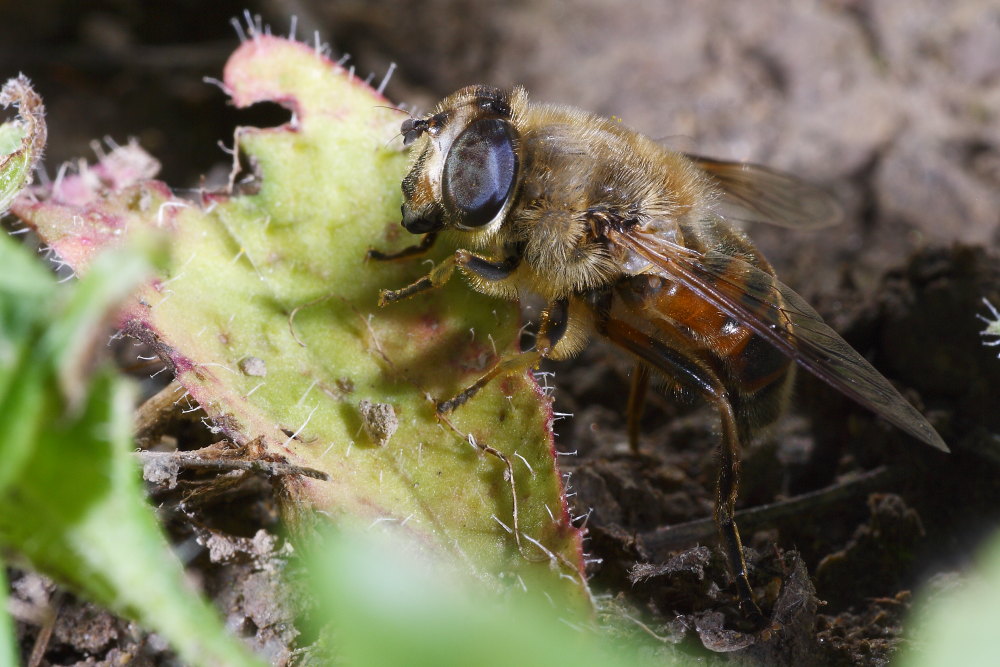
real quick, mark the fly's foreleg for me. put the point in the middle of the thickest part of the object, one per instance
(416, 250)
(439, 275)
(442, 272)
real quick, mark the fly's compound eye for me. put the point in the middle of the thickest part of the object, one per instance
(479, 171)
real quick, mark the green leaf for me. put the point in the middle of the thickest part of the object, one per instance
(11, 137)
(73, 504)
(266, 311)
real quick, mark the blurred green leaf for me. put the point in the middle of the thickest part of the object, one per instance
(390, 605)
(72, 499)
(959, 626)
(27, 291)
(7, 652)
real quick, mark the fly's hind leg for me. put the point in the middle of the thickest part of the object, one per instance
(553, 324)
(696, 375)
(727, 491)
(636, 404)
(551, 329)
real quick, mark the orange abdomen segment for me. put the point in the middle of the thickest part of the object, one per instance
(746, 360)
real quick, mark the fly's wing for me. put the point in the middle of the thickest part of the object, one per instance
(775, 312)
(754, 193)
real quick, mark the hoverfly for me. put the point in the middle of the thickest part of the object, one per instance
(633, 242)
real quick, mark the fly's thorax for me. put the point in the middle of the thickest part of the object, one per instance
(582, 174)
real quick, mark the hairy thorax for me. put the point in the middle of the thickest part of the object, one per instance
(579, 182)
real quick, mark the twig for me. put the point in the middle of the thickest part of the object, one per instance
(154, 417)
(45, 631)
(670, 538)
(194, 461)
(645, 628)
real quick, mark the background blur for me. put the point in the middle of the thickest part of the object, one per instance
(892, 103)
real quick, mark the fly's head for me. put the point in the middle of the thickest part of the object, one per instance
(465, 164)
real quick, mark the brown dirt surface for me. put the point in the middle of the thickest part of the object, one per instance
(891, 104)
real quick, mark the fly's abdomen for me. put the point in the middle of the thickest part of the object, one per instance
(760, 378)
(756, 374)
(755, 364)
